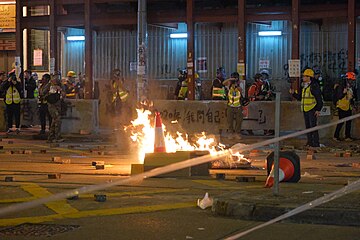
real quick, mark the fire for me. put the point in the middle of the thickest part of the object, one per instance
(143, 133)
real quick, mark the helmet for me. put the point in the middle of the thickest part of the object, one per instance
(197, 76)
(220, 72)
(235, 75)
(182, 74)
(350, 76)
(265, 72)
(308, 73)
(35, 76)
(257, 76)
(71, 74)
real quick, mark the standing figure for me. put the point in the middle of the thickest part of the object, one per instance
(3, 78)
(181, 90)
(30, 84)
(217, 88)
(12, 89)
(255, 93)
(119, 93)
(69, 85)
(53, 97)
(234, 108)
(267, 90)
(311, 105)
(344, 100)
(42, 103)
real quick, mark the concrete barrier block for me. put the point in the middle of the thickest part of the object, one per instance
(245, 179)
(339, 154)
(27, 152)
(348, 154)
(100, 197)
(94, 163)
(54, 145)
(355, 165)
(54, 176)
(137, 168)
(99, 167)
(220, 176)
(56, 159)
(9, 152)
(9, 179)
(84, 132)
(310, 157)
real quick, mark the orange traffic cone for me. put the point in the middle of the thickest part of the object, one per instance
(159, 143)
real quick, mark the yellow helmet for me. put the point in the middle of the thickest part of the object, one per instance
(308, 73)
(71, 74)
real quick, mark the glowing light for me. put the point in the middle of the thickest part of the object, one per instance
(270, 33)
(75, 38)
(178, 35)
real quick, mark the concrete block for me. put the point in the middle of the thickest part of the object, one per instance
(27, 152)
(101, 153)
(54, 176)
(220, 176)
(75, 197)
(84, 132)
(100, 197)
(310, 157)
(339, 154)
(9, 152)
(99, 167)
(42, 150)
(154, 160)
(348, 154)
(355, 165)
(54, 145)
(137, 168)
(245, 179)
(9, 179)
(94, 163)
(56, 159)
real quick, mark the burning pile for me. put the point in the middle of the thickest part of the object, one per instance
(142, 132)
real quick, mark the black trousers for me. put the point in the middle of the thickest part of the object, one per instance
(343, 114)
(310, 122)
(43, 114)
(13, 110)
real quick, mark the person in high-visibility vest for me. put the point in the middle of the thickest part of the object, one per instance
(69, 85)
(344, 99)
(119, 93)
(217, 89)
(311, 105)
(13, 93)
(234, 106)
(42, 103)
(181, 90)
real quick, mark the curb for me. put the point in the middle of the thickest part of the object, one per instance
(260, 212)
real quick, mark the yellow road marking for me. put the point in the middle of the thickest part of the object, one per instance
(211, 183)
(61, 206)
(120, 194)
(101, 212)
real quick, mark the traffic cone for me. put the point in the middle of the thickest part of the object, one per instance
(289, 168)
(159, 143)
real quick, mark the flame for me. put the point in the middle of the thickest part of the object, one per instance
(143, 133)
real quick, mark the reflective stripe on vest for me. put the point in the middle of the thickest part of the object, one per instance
(183, 90)
(344, 103)
(218, 92)
(12, 95)
(234, 98)
(308, 100)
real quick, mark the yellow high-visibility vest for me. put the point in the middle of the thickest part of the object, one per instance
(183, 90)
(344, 103)
(119, 92)
(308, 100)
(218, 92)
(12, 95)
(234, 96)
